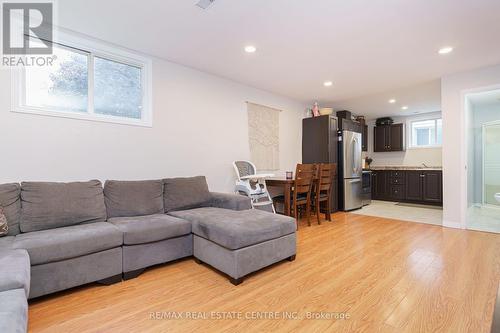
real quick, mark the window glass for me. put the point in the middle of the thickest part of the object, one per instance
(89, 80)
(117, 89)
(62, 86)
(426, 133)
(439, 139)
(422, 136)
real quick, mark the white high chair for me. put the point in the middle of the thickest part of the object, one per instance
(253, 185)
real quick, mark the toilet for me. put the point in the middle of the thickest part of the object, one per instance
(497, 197)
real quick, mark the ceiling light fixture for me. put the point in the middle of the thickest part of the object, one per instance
(328, 83)
(392, 101)
(250, 49)
(404, 107)
(204, 4)
(445, 50)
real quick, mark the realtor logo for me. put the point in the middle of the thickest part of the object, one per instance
(27, 28)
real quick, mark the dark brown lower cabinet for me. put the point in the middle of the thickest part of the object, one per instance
(414, 186)
(397, 192)
(408, 186)
(432, 187)
(380, 182)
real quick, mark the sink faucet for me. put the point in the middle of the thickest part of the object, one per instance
(425, 166)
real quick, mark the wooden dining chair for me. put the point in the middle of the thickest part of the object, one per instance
(301, 191)
(326, 173)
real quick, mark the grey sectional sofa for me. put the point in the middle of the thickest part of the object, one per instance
(63, 235)
(14, 290)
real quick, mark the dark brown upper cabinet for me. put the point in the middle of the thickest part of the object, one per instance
(388, 138)
(364, 138)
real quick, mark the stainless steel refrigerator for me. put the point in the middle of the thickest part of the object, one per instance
(351, 171)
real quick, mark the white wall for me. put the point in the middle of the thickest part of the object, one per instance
(410, 157)
(453, 88)
(199, 128)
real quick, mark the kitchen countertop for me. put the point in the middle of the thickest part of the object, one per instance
(404, 167)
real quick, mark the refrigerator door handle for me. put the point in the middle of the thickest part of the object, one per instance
(356, 155)
(355, 165)
(355, 181)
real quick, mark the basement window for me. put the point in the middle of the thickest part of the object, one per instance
(87, 80)
(426, 133)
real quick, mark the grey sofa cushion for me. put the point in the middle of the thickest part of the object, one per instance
(6, 242)
(186, 193)
(68, 242)
(11, 202)
(230, 201)
(151, 228)
(237, 229)
(13, 311)
(15, 270)
(54, 205)
(133, 198)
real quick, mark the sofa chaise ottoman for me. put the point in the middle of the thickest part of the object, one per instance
(240, 242)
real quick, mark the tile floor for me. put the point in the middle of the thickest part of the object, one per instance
(403, 212)
(484, 218)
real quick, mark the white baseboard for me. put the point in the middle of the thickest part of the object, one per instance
(452, 224)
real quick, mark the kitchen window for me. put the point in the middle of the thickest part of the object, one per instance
(87, 80)
(426, 133)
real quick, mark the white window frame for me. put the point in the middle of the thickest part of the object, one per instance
(410, 132)
(95, 49)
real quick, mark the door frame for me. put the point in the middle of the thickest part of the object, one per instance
(464, 94)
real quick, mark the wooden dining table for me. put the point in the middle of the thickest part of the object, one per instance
(286, 185)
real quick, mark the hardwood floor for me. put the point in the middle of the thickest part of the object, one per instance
(384, 275)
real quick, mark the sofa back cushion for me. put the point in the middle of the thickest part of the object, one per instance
(55, 205)
(133, 198)
(185, 193)
(10, 201)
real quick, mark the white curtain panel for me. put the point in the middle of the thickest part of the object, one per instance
(263, 134)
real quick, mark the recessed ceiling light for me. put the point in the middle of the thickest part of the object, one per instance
(328, 83)
(404, 107)
(250, 49)
(445, 50)
(392, 101)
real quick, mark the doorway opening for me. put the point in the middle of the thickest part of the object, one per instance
(483, 161)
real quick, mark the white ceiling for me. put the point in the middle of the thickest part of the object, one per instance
(420, 98)
(366, 47)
